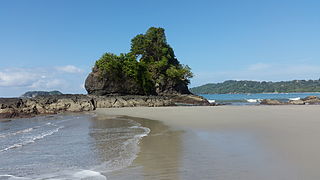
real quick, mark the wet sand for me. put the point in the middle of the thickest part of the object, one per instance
(226, 142)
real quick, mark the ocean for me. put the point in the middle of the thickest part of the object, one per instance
(254, 99)
(79, 146)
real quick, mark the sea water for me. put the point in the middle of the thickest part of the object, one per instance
(67, 146)
(253, 99)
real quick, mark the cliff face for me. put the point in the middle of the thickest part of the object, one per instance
(100, 85)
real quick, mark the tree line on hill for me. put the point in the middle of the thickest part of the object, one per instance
(237, 87)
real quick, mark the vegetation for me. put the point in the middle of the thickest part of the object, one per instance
(258, 87)
(31, 94)
(151, 63)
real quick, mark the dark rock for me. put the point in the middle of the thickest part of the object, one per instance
(271, 102)
(99, 85)
(311, 100)
(18, 107)
(189, 100)
(296, 102)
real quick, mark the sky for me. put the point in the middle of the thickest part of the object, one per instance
(53, 44)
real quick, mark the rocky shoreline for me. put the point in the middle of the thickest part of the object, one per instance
(53, 104)
(310, 100)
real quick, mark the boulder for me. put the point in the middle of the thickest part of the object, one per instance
(100, 85)
(271, 102)
(297, 102)
(185, 99)
(311, 100)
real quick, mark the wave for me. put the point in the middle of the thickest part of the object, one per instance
(16, 133)
(31, 139)
(11, 177)
(211, 100)
(253, 100)
(88, 174)
(76, 174)
(128, 149)
(294, 99)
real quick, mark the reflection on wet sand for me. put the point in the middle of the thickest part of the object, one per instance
(160, 154)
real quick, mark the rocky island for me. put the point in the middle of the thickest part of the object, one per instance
(149, 75)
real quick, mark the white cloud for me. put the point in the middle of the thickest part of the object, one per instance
(17, 77)
(69, 69)
(16, 81)
(45, 84)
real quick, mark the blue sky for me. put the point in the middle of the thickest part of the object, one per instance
(52, 45)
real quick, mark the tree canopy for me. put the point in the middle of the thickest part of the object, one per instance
(151, 63)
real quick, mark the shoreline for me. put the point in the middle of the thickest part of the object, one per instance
(287, 135)
(54, 104)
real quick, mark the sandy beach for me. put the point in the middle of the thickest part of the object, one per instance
(226, 142)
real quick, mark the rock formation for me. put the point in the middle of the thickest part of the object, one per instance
(28, 107)
(150, 68)
(271, 102)
(305, 101)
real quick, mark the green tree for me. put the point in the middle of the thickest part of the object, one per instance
(150, 63)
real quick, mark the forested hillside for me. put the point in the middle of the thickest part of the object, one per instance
(233, 86)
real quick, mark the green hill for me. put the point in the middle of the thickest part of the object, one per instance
(31, 94)
(233, 86)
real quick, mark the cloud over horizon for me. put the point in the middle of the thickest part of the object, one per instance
(16, 81)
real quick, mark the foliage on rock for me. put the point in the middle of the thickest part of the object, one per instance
(151, 64)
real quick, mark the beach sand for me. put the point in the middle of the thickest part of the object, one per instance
(225, 142)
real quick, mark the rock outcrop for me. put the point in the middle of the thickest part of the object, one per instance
(311, 100)
(296, 102)
(28, 107)
(271, 102)
(305, 101)
(101, 85)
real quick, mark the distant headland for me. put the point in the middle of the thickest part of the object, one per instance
(32, 94)
(238, 87)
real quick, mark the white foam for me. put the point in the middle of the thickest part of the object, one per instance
(128, 151)
(253, 100)
(31, 139)
(88, 174)
(212, 101)
(15, 133)
(294, 99)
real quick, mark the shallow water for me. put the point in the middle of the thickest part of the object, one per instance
(168, 153)
(67, 146)
(84, 146)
